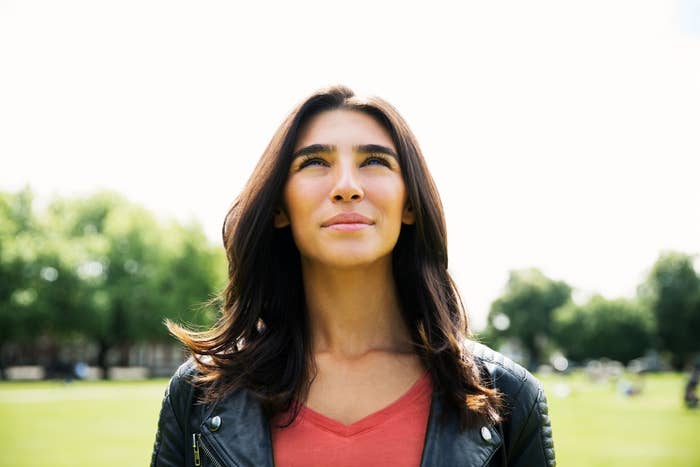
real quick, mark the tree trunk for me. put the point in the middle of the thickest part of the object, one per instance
(533, 361)
(2, 361)
(124, 354)
(104, 347)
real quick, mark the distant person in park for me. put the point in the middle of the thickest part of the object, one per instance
(691, 388)
(342, 340)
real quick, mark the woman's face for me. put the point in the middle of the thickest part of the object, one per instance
(344, 198)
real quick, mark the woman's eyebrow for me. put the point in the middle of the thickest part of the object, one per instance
(375, 148)
(362, 148)
(313, 149)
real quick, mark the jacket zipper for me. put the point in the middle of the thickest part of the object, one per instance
(196, 445)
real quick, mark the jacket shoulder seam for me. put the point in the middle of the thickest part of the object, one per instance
(481, 352)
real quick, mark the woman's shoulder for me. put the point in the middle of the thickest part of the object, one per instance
(185, 390)
(525, 404)
(184, 374)
(181, 385)
(509, 377)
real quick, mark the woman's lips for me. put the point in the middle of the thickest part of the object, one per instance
(350, 227)
(347, 222)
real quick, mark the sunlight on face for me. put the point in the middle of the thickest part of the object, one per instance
(345, 197)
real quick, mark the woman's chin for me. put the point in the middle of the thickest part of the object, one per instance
(350, 259)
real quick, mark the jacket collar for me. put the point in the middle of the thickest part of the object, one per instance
(447, 446)
(241, 435)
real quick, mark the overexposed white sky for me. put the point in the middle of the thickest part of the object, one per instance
(562, 135)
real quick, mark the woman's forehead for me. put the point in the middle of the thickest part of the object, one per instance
(343, 128)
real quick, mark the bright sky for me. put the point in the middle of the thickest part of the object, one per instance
(562, 135)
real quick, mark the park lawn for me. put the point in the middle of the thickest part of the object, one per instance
(113, 423)
(78, 424)
(595, 425)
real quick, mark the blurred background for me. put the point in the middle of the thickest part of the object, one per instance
(563, 136)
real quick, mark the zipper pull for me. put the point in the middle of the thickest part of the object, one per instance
(195, 448)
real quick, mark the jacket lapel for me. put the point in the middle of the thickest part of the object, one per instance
(240, 436)
(447, 446)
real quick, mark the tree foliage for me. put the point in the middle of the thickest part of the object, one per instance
(525, 309)
(617, 329)
(101, 268)
(19, 275)
(672, 292)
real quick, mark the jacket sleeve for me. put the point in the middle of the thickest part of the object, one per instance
(170, 447)
(531, 443)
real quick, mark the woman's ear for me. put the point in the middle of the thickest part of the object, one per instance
(280, 220)
(408, 217)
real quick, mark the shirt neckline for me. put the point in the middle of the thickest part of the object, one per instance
(418, 389)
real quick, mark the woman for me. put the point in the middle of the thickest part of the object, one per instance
(342, 339)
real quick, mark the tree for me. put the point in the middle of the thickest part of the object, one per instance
(135, 271)
(18, 251)
(103, 269)
(36, 277)
(672, 292)
(524, 311)
(618, 329)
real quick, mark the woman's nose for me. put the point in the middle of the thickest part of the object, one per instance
(347, 185)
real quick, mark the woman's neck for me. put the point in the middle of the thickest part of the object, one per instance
(354, 311)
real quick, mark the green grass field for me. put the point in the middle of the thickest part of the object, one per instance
(113, 424)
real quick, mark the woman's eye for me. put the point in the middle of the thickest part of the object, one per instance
(377, 160)
(312, 161)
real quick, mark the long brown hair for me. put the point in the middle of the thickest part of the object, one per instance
(261, 341)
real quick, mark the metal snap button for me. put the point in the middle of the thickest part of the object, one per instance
(486, 434)
(214, 423)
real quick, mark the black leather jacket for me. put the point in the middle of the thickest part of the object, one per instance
(234, 432)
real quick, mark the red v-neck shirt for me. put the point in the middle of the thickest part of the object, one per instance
(390, 437)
